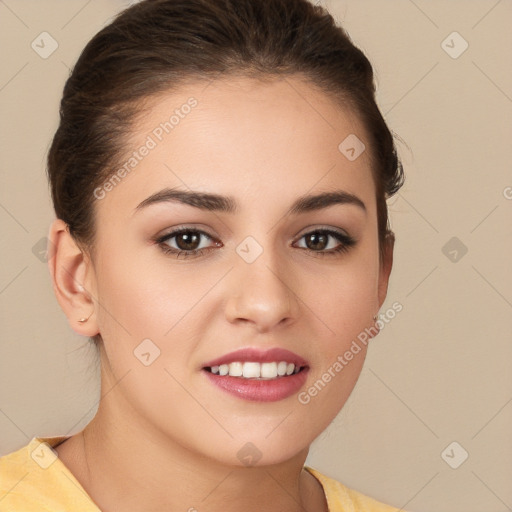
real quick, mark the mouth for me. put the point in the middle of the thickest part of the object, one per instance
(256, 370)
(256, 375)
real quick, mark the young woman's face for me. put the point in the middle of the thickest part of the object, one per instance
(261, 266)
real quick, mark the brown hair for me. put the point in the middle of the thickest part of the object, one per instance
(158, 45)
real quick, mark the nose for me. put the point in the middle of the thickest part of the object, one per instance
(261, 294)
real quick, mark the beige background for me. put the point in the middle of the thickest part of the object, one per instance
(439, 372)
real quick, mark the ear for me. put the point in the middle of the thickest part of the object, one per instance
(73, 279)
(385, 266)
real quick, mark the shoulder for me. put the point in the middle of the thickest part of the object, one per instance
(342, 499)
(33, 478)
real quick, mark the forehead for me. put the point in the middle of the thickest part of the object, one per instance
(242, 136)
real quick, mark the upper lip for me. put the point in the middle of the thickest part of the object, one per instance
(251, 354)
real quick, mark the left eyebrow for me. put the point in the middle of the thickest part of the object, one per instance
(227, 204)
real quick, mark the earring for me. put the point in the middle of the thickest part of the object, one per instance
(83, 320)
(375, 318)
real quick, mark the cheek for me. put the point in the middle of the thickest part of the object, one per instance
(141, 299)
(142, 296)
(344, 299)
(145, 320)
(140, 293)
(343, 303)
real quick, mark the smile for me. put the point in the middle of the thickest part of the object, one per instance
(258, 375)
(255, 370)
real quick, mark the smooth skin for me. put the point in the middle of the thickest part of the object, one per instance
(164, 437)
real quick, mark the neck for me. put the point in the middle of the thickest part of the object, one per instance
(137, 473)
(134, 467)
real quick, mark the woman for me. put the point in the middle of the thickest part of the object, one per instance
(219, 177)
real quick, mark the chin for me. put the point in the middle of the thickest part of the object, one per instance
(259, 451)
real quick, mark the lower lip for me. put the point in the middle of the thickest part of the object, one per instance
(260, 390)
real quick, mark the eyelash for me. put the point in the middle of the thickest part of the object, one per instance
(346, 242)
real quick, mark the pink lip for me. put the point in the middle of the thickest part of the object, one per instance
(258, 356)
(259, 390)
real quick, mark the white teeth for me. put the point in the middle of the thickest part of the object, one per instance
(235, 369)
(269, 370)
(281, 368)
(253, 370)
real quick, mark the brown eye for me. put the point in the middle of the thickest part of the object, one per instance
(188, 241)
(324, 242)
(317, 241)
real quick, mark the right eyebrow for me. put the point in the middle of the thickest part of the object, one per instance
(202, 200)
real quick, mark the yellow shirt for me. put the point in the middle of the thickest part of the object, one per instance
(34, 479)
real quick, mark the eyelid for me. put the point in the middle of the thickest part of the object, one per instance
(317, 227)
(162, 242)
(345, 241)
(170, 232)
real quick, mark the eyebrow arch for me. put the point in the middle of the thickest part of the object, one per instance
(227, 204)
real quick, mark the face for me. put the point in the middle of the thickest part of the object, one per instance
(249, 264)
